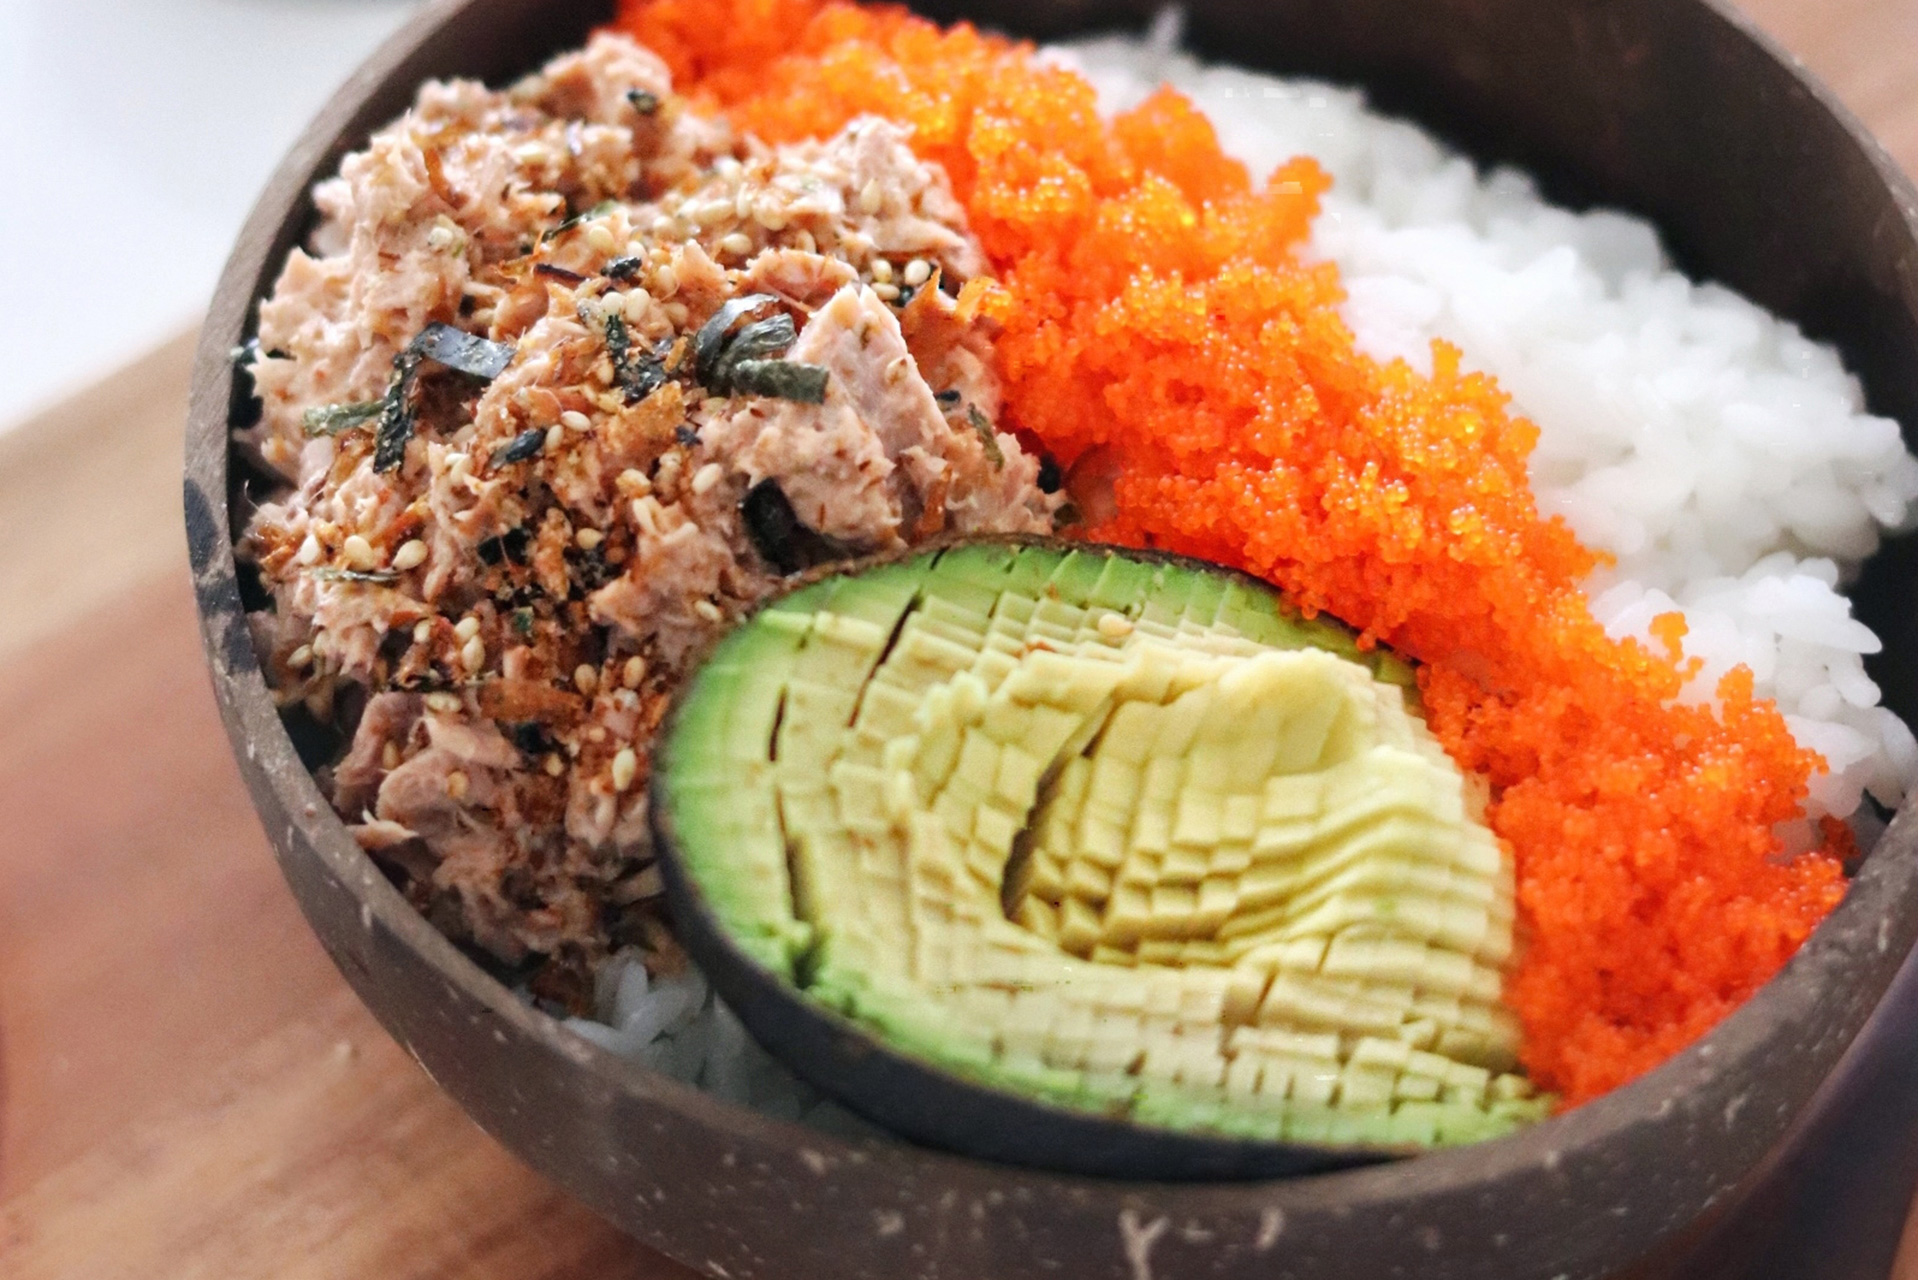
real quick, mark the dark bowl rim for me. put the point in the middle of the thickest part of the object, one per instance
(1896, 179)
(1884, 884)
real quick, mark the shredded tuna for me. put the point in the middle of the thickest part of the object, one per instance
(495, 622)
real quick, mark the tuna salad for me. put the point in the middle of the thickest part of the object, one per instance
(568, 376)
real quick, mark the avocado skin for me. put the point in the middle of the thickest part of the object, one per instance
(735, 849)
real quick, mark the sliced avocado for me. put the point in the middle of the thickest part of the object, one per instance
(1111, 831)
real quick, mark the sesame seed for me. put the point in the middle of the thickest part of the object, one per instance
(457, 784)
(625, 765)
(666, 476)
(322, 644)
(887, 292)
(554, 765)
(603, 371)
(596, 733)
(423, 631)
(771, 218)
(358, 552)
(643, 509)
(467, 628)
(708, 610)
(586, 679)
(869, 200)
(633, 481)
(882, 270)
(666, 282)
(707, 477)
(474, 653)
(576, 419)
(411, 555)
(634, 672)
(677, 313)
(739, 244)
(663, 226)
(710, 213)
(635, 306)
(445, 703)
(916, 273)
(555, 437)
(310, 551)
(588, 539)
(601, 237)
(1114, 625)
(300, 659)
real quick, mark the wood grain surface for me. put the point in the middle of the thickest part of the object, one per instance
(187, 1089)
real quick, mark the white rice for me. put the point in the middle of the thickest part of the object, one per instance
(1724, 460)
(678, 1027)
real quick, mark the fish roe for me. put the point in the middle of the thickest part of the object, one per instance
(1159, 329)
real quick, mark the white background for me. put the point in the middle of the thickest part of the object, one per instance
(134, 135)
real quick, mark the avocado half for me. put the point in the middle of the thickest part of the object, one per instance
(1092, 859)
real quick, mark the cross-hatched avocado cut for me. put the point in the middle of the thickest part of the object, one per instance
(1047, 850)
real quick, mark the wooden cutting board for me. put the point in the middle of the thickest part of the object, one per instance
(187, 1089)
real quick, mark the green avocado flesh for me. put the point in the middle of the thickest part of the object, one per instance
(1110, 832)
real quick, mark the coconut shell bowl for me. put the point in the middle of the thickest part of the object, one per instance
(1674, 109)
